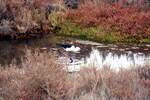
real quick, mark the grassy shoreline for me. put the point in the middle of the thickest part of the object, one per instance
(97, 34)
(104, 23)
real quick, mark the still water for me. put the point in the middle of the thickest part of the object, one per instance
(112, 56)
(92, 54)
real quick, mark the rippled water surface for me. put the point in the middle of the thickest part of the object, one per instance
(109, 55)
(92, 54)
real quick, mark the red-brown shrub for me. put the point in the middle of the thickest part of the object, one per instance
(128, 21)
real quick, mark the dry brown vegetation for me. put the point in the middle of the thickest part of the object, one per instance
(21, 19)
(27, 17)
(41, 78)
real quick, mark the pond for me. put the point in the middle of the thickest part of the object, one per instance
(92, 54)
(108, 55)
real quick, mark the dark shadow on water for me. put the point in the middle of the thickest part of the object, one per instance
(9, 52)
(14, 51)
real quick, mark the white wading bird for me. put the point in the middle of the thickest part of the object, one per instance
(70, 48)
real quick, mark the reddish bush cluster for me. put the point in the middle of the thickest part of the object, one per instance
(127, 21)
(136, 3)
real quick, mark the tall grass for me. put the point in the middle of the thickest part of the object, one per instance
(104, 84)
(41, 78)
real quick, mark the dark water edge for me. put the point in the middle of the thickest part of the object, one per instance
(133, 53)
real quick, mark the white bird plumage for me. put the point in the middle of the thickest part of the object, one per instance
(73, 49)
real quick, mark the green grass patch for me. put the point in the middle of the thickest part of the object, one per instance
(86, 33)
(98, 33)
(145, 40)
(67, 28)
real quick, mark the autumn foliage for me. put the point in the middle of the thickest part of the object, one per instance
(24, 18)
(126, 21)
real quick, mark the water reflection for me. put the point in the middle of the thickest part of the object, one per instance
(92, 54)
(114, 61)
(10, 53)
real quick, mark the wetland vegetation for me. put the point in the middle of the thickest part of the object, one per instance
(113, 37)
